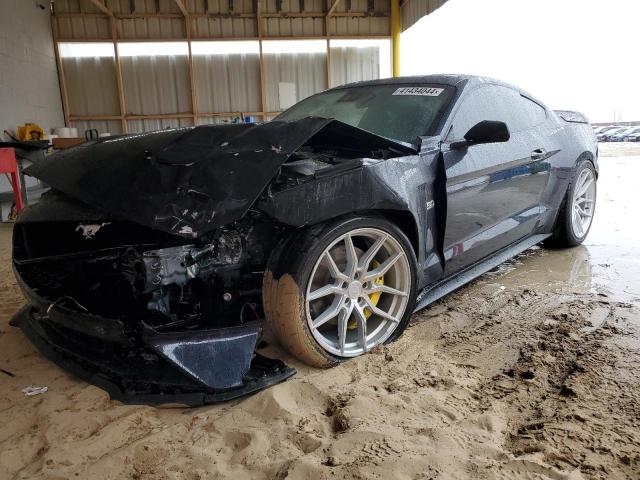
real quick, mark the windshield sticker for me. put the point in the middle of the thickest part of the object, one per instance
(422, 91)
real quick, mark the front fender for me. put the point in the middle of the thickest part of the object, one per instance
(404, 184)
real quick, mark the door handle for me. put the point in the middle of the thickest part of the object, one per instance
(538, 154)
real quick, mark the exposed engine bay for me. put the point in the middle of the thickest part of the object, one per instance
(132, 297)
(163, 281)
(178, 284)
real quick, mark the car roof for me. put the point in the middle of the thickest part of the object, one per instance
(454, 80)
(462, 82)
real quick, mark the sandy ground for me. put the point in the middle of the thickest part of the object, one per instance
(532, 371)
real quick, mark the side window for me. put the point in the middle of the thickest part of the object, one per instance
(526, 113)
(494, 102)
(484, 103)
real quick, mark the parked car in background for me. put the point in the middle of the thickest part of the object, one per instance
(607, 128)
(634, 137)
(620, 134)
(602, 130)
(627, 135)
(606, 135)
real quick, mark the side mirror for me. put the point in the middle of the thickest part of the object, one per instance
(486, 131)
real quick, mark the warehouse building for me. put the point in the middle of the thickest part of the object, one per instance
(131, 66)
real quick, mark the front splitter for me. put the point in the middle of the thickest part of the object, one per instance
(133, 376)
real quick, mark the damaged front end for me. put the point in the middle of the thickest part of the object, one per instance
(144, 264)
(150, 317)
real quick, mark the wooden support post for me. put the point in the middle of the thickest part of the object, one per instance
(331, 11)
(61, 78)
(263, 87)
(328, 63)
(192, 83)
(120, 85)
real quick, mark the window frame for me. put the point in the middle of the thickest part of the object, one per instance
(449, 124)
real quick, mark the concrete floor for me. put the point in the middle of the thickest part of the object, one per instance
(532, 371)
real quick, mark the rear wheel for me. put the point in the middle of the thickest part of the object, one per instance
(576, 214)
(337, 291)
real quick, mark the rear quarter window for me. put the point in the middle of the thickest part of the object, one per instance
(527, 114)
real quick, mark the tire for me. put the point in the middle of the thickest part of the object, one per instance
(299, 267)
(565, 233)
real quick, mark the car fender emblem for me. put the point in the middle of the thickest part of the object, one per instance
(430, 204)
(89, 231)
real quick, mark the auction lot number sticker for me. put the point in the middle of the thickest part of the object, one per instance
(421, 91)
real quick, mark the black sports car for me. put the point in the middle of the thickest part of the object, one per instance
(154, 260)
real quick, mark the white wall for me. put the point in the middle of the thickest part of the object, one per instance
(29, 90)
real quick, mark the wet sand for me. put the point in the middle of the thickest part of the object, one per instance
(532, 371)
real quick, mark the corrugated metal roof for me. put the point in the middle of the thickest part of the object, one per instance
(137, 28)
(294, 27)
(271, 6)
(359, 26)
(219, 6)
(238, 19)
(202, 27)
(85, 27)
(414, 10)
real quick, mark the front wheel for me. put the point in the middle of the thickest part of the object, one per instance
(338, 290)
(576, 213)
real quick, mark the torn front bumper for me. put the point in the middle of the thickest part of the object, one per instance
(188, 367)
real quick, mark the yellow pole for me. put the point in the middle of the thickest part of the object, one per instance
(395, 36)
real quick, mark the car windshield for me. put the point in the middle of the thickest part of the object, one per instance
(400, 112)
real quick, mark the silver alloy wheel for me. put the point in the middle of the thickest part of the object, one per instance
(358, 292)
(584, 203)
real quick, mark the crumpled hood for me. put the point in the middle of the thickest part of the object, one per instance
(187, 181)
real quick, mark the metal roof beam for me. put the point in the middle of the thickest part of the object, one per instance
(102, 7)
(333, 8)
(182, 8)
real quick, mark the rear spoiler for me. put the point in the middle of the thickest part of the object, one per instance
(573, 117)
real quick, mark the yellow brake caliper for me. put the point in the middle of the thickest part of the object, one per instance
(374, 297)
